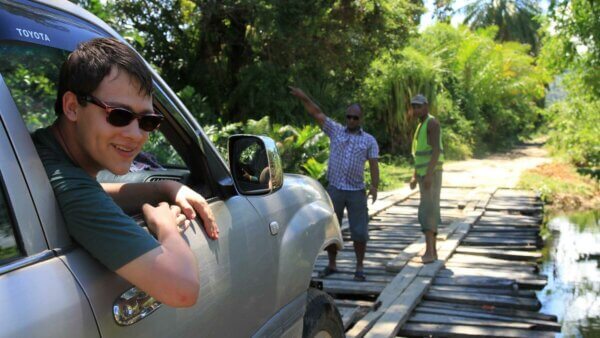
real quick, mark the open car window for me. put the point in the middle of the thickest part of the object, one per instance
(31, 74)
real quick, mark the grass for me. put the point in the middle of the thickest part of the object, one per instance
(561, 186)
(394, 173)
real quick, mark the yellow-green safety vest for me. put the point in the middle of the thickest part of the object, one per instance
(422, 151)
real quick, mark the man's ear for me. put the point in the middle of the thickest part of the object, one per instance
(70, 106)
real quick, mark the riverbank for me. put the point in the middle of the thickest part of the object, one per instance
(561, 187)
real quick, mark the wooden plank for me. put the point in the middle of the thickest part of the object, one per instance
(502, 254)
(537, 324)
(485, 299)
(422, 329)
(477, 281)
(397, 314)
(456, 271)
(522, 314)
(510, 291)
(349, 315)
(476, 259)
(386, 298)
(352, 287)
(449, 318)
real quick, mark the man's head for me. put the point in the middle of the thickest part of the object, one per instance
(419, 106)
(353, 117)
(99, 82)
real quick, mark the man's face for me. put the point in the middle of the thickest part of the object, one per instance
(419, 110)
(103, 145)
(353, 118)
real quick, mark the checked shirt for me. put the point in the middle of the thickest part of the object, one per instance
(348, 153)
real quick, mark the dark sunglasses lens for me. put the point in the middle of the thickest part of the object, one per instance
(352, 117)
(119, 117)
(150, 122)
(415, 105)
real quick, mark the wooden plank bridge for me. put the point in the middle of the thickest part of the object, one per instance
(482, 285)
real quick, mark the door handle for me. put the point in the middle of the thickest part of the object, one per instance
(274, 228)
(132, 306)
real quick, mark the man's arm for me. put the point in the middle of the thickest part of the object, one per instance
(132, 196)
(374, 169)
(312, 108)
(169, 273)
(433, 139)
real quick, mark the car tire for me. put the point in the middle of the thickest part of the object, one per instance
(322, 319)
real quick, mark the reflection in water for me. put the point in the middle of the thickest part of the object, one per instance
(572, 264)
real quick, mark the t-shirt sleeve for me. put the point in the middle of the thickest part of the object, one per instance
(96, 222)
(331, 128)
(373, 151)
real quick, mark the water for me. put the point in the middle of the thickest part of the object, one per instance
(572, 264)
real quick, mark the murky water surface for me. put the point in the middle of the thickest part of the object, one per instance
(572, 264)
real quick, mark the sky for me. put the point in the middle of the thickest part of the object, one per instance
(426, 19)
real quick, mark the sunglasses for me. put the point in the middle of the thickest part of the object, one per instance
(416, 105)
(352, 117)
(121, 117)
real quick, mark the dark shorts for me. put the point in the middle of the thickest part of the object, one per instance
(358, 215)
(429, 206)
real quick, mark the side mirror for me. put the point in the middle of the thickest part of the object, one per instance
(255, 164)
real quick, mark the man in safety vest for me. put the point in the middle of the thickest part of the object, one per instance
(428, 152)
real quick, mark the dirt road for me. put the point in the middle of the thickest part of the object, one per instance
(501, 170)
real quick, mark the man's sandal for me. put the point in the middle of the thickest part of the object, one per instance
(359, 276)
(326, 272)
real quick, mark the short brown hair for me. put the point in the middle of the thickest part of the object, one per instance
(92, 61)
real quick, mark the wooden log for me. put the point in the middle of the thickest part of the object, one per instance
(485, 299)
(421, 329)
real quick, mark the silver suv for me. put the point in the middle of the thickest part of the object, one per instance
(255, 279)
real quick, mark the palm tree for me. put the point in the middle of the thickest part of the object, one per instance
(515, 19)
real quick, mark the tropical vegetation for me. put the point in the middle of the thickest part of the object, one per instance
(232, 61)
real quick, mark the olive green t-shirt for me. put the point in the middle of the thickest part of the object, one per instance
(93, 219)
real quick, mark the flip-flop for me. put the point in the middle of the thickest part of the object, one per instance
(427, 261)
(359, 276)
(326, 272)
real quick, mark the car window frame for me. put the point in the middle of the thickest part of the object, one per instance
(26, 224)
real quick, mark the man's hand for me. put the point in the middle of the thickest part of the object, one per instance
(191, 202)
(299, 93)
(373, 193)
(413, 183)
(427, 181)
(160, 219)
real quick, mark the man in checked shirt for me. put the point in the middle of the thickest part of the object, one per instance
(350, 148)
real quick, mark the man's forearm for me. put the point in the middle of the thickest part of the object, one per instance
(374, 175)
(435, 155)
(131, 196)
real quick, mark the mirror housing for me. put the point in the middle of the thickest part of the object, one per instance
(255, 164)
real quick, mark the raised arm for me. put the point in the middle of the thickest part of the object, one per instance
(312, 108)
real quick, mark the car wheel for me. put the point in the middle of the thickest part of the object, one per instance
(322, 319)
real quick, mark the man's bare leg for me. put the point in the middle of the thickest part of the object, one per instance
(359, 249)
(430, 250)
(332, 254)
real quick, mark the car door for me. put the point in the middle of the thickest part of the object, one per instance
(236, 271)
(39, 297)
